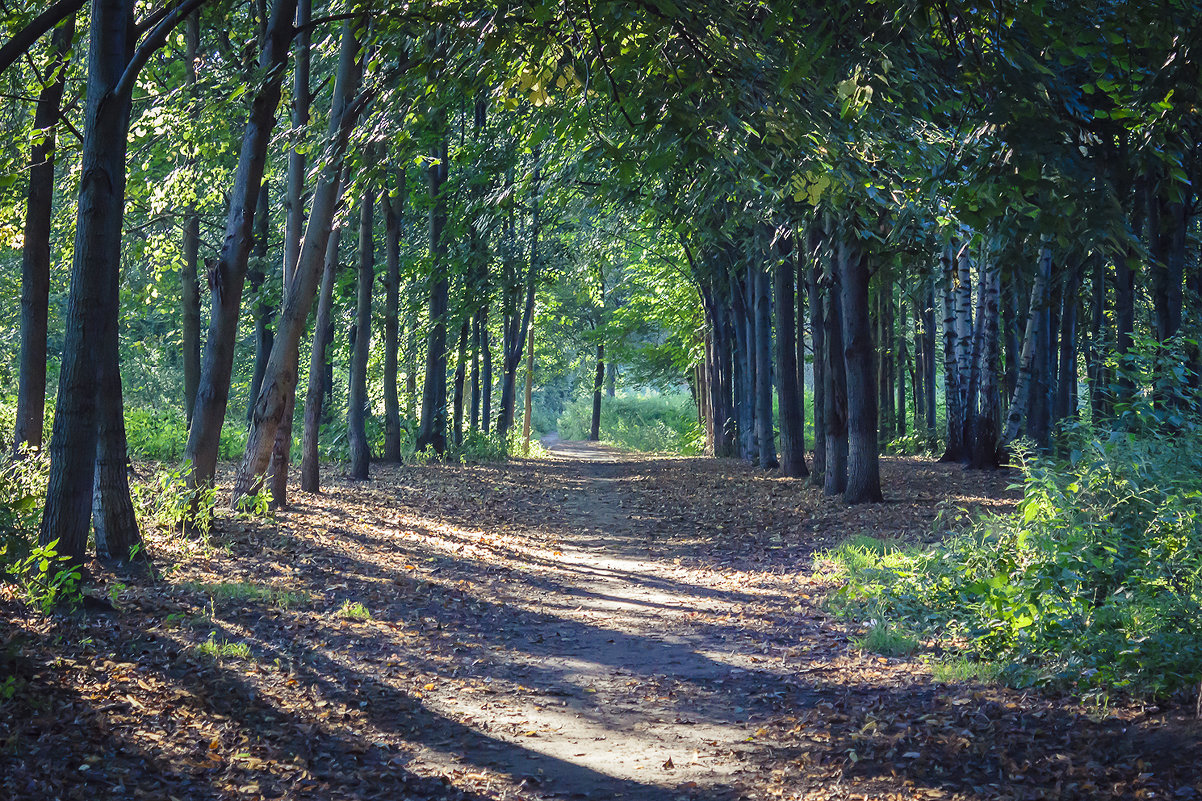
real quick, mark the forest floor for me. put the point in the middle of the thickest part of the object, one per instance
(590, 626)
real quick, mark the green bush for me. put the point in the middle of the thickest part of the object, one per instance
(1096, 582)
(161, 435)
(649, 423)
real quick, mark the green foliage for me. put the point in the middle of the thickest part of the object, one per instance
(959, 668)
(648, 423)
(887, 640)
(161, 434)
(223, 649)
(241, 591)
(1096, 582)
(43, 577)
(168, 501)
(479, 447)
(354, 611)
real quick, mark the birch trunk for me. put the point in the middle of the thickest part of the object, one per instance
(1028, 380)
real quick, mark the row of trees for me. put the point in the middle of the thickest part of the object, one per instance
(832, 182)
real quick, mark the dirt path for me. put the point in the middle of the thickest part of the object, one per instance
(593, 626)
(632, 692)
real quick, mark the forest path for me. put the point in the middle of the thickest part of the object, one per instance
(630, 690)
(593, 625)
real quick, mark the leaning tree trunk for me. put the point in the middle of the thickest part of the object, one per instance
(356, 414)
(318, 359)
(1028, 380)
(792, 432)
(35, 253)
(813, 274)
(279, 382)
(984, 438)
(228, 275)
(863, 462)
(594, 431)
(256, 275)
(393, 211)
(765, 434)
(91, 304)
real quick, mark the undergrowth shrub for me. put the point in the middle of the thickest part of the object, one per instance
(1096, 582)
(43, 577)
(649, 423)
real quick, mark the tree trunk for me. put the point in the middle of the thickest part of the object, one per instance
(744, 366)
(356, 414)
(318, 361)
(474, 380)
(594, 431)
(228, 275)
(863, 463)
(485, 374)
(765, 433)
(113, 518)
(393, 215)
(263, 312)
(951, 360)
(92, 304)
(1066, 381)
(460, 377)
(189, 285)
(792, 414)
(902, 358)
(834, 412)
(35, 254)
(433, 433)
(928, 347)
(1029, 381)
(819, 347)
(518, 322)
(279, 382)
(526, 427)
(984, 432)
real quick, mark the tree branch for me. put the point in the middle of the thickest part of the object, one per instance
(153, 41)
(25, 38)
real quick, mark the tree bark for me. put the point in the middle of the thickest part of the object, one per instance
(765, 433)
(792, 413)
(474, 380)
(526, 426)
(818, 345)
(863, 463)
(228, 275)
(318, 361)
(263, 313)
(35, 254)
(518, 322)
(279, 382)
(93, 302)
(951, 360)
(460, 378)
(1028, 378)
(594, 431)
(834, 408)
(433, 432)
(393, 216)
(984, 438)
(356, 414)
(485, 373)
